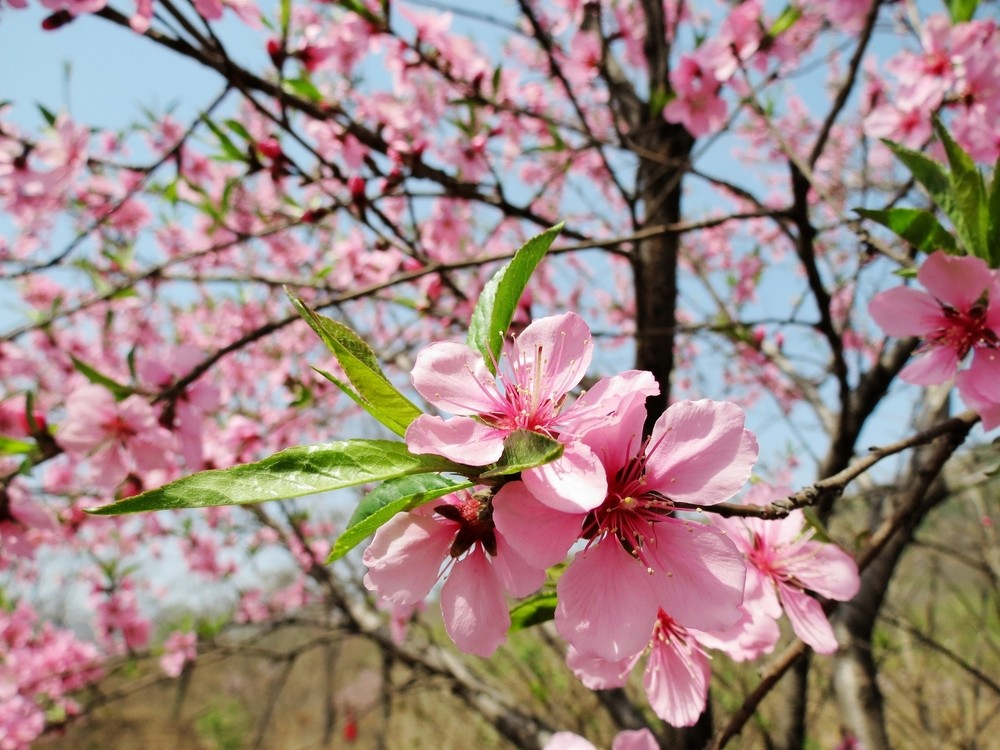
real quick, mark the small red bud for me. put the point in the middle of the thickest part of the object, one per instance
(356, 185)
(57, 20)
(270, 148)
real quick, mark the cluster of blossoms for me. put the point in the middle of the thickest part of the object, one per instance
(644, 579)
(958, 315)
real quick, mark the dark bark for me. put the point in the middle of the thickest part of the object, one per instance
(655, 260)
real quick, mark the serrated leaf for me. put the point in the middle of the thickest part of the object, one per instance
(385, 501)
(383, 400)
(930, 174)
(533, 611)
(917, 226)
(294, 472)
(119, 390)
(523, 449)
(969, 190)
(496, 305)
(13, 446)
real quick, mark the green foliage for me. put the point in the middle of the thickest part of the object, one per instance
(225, 727)
(12, 446)
(917, 226)
(961, 11)
(385, 501)
(960, 191)
(498, 302)
(294, 472)
(523, 449)
(533, 611)
(372, 389)
(119, 390)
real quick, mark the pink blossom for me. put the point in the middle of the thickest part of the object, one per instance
(630, 739)
(697, 104)
(405, 561)
(534, 376)
(179, 649)
(640, 559)
(676, 677)
(959, 314)
(785, 564)
(117, 437)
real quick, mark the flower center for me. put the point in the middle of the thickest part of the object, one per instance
(473, 512)
(966, 330)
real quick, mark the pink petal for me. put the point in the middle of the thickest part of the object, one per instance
(698, 574)
(515, 574)
(609, 400)
(807, 619)
(615, 436)
(956, 281)
(676, 682)
(541, 535)
(405, 557)
(903, 311)
(936, 366)
(635, 739)
(827, 570)
(979, 386)
(566, 349)
(606, 607)
(460, 439)
(698, 452)
(567, 741)
(599, 674)
(573, 483)
(751, 637)
(473, 605)
(453, 377)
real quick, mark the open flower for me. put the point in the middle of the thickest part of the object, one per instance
(676, 676)
(630, 739)
(785, 563)
(640, 559)
(457, 539)
(533, 378)
(958, 314)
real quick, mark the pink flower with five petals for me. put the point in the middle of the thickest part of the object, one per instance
(405, 561)
(535, 375)
(640, 559)
(959, 314)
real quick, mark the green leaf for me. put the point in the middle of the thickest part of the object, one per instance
(961, 11)
(785, 20)
(304, 88)
(496, 305)
(969, 193)
(119, 390)
(228, 147)
(381, 398)
(237, 127)
(47, 114)
(523, 449)
(303, 470)
(820, 533)
(385, 501)
(12, 446)
(917, 226)
(533, 611)
(993, 233)
(286, 17)
(931, 175)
